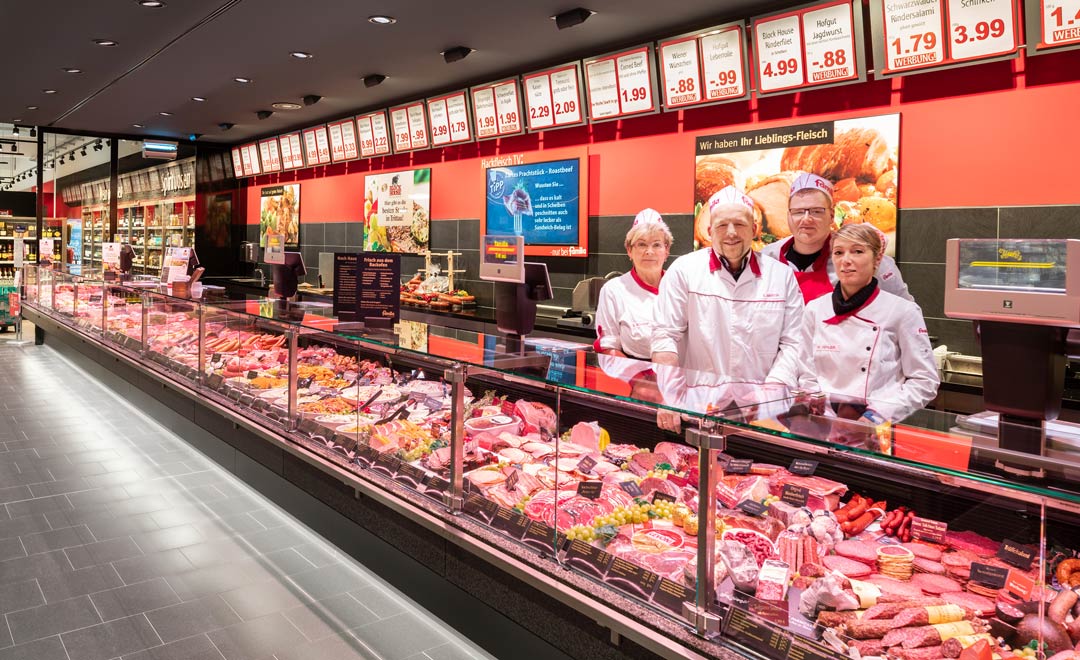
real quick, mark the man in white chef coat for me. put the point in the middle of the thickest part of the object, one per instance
(737, 317)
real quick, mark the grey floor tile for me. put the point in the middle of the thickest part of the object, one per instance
(28, 525)
(103, 552)
(175, 516)
(229, 526)
(220, 551)
(256, 639)
(59, 487)
(167, 539)
(252, 601)
(43, 649)
(380, 601)
(52, 619)
(320, 554)
(198, 647)
(192, 618)
(111, 639)
(114, 527)
(234, 505)
(134, 599)
(330, 616)
(34, 566)
(286, 562)
(11, 549)
(134, 505)
(68, 470)
(338, 647)
(57, 539)
(453, 652)
(86, 499)
(5, 634)
(39, 505)
(400, 636)
(329, 581)
(20, 596)
(215, 579)
(138, 569)
(277, 538)
(15, 493)
(77, 583)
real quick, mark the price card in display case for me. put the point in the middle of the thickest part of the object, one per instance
(497, 110)
(271, 159)
(449, 119)
(245, 158)
(337, 148)
(982, 29)
(621, 84)
(912, 34)
(348, 139)
(829, 43)
(264, 155)
(322, 141)
(292, 156)
(553, 98)
(704, 67)
(418, 126)
(237, 162)
(1054, 24)
(373, 134)
(410, 127)
(311, 147)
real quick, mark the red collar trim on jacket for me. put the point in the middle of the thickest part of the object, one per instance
(822, 261)
(840, 318)
(716, 264)
(643, 284)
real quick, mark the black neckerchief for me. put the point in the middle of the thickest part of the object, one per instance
(801, 261)
(841, 306)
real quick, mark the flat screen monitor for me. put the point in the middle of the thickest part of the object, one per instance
(541, 202)
(502, 258)
(286, 276)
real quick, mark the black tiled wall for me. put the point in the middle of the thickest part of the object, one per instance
(921, 253)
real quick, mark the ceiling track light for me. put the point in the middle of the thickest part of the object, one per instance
(572, 17)
(374, 80)
(33, 132)
(312, 99)
(456, 54)
(15, 130)
(71, 69)
(264, 114)
(225, 126)
(83, 151)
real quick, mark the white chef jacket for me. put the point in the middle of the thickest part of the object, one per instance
(888, 274)
(747, 330)
(624, 315)
(880, 352)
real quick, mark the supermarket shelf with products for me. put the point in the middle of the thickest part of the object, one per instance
(771, 524)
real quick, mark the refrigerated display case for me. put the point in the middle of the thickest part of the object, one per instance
(771, 525)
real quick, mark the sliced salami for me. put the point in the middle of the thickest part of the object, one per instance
(848, 567)
(928, 566)
(923, 551)
(972, 542)
(895, 588)
(980, 605)
(935, 584)
(860, 551)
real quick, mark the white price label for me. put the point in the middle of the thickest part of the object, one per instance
(311, 148)
(981, 29)
(565, 96)
(418, 126)
(286, 152)
(253, 158)
(829, 44)
(538, 101)
(457, 115)
(380, 133)
(914, 37)
(348, 139)
(635, 82)
(337, 149)
(264, 154)
(722, 63)
(485, 112)
(778, 44)
(237, 164)
(297, 151)
(323, 141)
(682, 72)
(399, 119)
(1060, 22)
(275, 155)
(508, 107)
(603, 89)
(367, 142)
(440, 125)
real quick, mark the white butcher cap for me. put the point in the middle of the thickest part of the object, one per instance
(808, 181)
(730, 195)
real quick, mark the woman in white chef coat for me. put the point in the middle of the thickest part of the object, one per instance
(624, 313)
(869, 344)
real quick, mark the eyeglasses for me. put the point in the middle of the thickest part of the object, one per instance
(641, 246)
(818, 212)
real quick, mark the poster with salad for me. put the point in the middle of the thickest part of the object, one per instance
(397, 211)
(859, 156)
(280, 213)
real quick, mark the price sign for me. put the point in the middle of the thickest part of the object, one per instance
(449, 118)
(417, 126)
(271, 157)
(292, 156)
(981, 29)
(1017, 554)
(264, 154)
(778, 53)
(374, 136)
(286, 152)
(680, 70)
(337, 148)
(508, 105)
(484, 113)
(723, 67)
(240, 158)
(322, 141)
(348, 140)
(297, 150)
(553, 98)
(311, 147)
(256, 167)
(620, 84)
(1060, 22)
(829, 43)
(399, 121)
(914, 37)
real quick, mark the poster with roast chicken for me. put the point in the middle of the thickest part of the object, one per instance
(859, 156)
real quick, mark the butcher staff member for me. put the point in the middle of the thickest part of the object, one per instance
(869, 344)
(726, 311)
(806, 251)
(624, 313)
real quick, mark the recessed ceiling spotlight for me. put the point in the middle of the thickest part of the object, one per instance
(456, 54)
(48, 91)
(374, 79)
(31, 107)
(285, 105)
(382, 20)
(71, 69)
(242, 80)
(137, 125)
(200, 99)
(165, 114)
(151, 3)
(106, 42)
(301, 55)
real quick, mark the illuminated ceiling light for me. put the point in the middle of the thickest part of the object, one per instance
(106, 42)
(456, 54)
(155, 4)
(242, 80)
(200, 99)
(165, 114)
(71, 69)
(137, 126)
(374, 80)
(31, 107)
(382, 20)
(285, 105)
(301, 55)
(572, 17)
(48, 91)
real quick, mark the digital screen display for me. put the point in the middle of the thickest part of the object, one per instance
(501, 251)
(1013, 265)
(539, 201)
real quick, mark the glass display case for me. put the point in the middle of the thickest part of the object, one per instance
(773, 521)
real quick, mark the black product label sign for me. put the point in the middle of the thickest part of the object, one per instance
(660, 497)
(795, 495)
(309, 427)
(410, 475)
(633, 490)
(1017, 554)
(511, 522)
(671, 595)
(991, 576)
(772, 611)
(304, 382)
(744, 628)
(480, 507)
(739, 466)
(802, 649)
(925, 529)
(386, 463)
(215, 358)
(95, 297)
(803, 467)
(587, 558)
(631, 578)
(753, 507)
(215, 381)
(541, 536)
(590, 489)
(366, 455)
(586, 465)
(252, 375)
(435, 484)
(512, 479)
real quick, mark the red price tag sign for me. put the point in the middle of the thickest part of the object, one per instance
(374, 136)
(311, 148)
(253, 158)
(237, 163)
(620, 84)
(1060, 22)
(829, 43)
(322, 142)
(485, 113)
(981, 29)
(418, 126)
(337, 148)
(440, 125)
(449, 119)
(264, 154)
(348, 139)
(914, 37)
(722, 57)
(778, 51)
(275, 155)
(399, 120)
(508, 107)
(603, 86)
(286, 152)
(538, 101)
(553, 98)
(680, 68)
(297, 150)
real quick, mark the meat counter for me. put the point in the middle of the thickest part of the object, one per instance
(772, 524)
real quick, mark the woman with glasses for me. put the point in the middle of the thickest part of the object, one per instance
(806, 251)
(624, 313)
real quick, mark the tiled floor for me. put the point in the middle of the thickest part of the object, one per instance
(118, 540)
